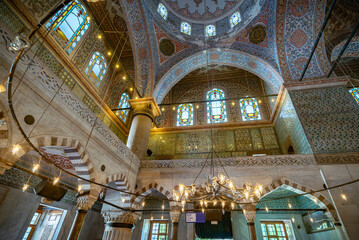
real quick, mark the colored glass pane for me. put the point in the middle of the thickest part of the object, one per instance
(185, 115)
(96, 68)
(355, 93)
(210, 30)
(69, 25)
(162, 10)
(123, 104)
(216, 109)
(235, 19)
(249, 109)
(186, 28)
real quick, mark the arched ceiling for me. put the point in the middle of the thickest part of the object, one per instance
(202, 10)
(278, 34)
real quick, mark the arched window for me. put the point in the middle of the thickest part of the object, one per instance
(216, 110)
(186, 28)
(69, 25)
(210, 30)
(185, 115)
(123, 104)
(96, 68)
(355, 93)
(162, 10)
(249, 109)
(235, 19)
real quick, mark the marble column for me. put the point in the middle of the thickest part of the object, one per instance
(249, 212)
(118, 224)
(144, 111)
(175, 217)
(84, 203)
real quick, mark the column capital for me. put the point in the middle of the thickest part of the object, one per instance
(175, 215)
(145, 106)
(85, 201)
(119, 216)
(249, 212)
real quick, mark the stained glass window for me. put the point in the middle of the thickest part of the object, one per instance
(186, 28)
(69, 25)
(210, 30)
(185, 115)
(162, 10)
(235, 19)
(274, 231)
(96, 68)
(123, 104)
(355, 93)
(216, 109)
(249, 109)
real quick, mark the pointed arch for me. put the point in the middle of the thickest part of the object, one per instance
(147, 190)
(226, 57)
(298, 188)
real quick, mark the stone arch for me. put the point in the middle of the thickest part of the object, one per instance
(78, 157)
(227, 57)
(120, 180)
(293, 186)
(147, 190)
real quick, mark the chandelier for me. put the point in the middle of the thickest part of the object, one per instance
(219, 190)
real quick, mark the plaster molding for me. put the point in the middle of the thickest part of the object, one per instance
(119, 216)
(320, 83)
(85, 201)
(249, 212)
(271, 160)
(175, 216)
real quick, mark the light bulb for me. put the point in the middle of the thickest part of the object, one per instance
(233, 103)
(260, 188)
(311, 219)
(124, 77)
(214, 202)
(182, 209)
(143, 203)
(88, 18)
(181, 188)
(258, 194)
(123, 200)
(205, 203)
(109, 53)
(244, 211)
(293, 220)
(131, 89)
(162, 217)
(117, 65)
(26, 186)
(232, 205)
(197, 106)
(246, 194)
(177, 198)
(56, 180)
(183, 202)
(99, 36)
(163, 206)
(15, 149)
(186, 194)
(79, 188)
(35, 167)
(230, 184)
(202, 210)
(2, 88)
(267, 210)
(344, 196)
(201, 202)
(289, 205)
(151, 218)
(223, 204)
(316, 200)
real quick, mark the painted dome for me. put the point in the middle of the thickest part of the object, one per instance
(202, 10)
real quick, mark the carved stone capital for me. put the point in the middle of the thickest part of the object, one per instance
(85, 201)
(249, 212)
(145, 106)
(119, 216)
(175, 215)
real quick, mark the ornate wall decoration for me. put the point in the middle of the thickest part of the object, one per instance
(240, 161)
(257, 34)
(300, 22)
(352, 50)
(166, 47)
(226, 57)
